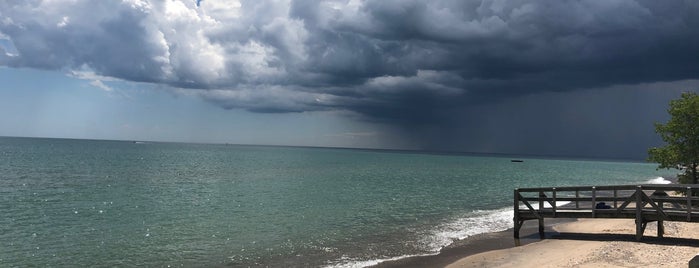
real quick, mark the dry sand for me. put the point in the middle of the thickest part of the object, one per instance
(598, 243)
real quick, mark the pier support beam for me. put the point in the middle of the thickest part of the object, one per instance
(541, 228)
(518, 222)
(518, 226)
(640, 223)
(640, 229)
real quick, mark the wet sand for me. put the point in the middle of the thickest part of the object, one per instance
(570, 243)
(474, 245)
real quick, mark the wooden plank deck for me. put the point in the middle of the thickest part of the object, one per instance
(644, 203)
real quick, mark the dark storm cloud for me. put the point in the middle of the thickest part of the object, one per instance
(614, 122)
(525, 47)
(407, 63)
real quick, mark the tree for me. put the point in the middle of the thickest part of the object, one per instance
(681, 135)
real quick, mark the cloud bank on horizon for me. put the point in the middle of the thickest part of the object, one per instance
(405, 63)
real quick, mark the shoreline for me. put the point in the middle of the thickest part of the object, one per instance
(595, 243)
(463, 251)
(480, 243)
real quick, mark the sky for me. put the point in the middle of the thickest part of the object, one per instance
(560, 78)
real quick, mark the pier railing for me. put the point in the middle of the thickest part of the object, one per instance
(644, 203)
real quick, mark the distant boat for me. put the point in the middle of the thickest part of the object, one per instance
(516, 160)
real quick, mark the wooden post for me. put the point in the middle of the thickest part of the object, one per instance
(615, 197)
(541, 200)
(639, 216)
(689, 204)
(541, 228)
(594, 200)
(577, 199)
(541, 217)
(661, 228)
(554, 202)
(516, 216)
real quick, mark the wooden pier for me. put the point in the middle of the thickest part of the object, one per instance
(644, 203)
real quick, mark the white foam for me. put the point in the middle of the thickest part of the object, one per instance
(477, 222)
(659, 180)
(346, 262)
(433, 241)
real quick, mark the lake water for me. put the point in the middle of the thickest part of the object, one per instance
(68, 203)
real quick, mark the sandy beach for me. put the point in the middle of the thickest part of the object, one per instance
(570, 243)
(597, 243)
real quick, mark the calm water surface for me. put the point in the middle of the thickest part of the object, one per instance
(68, 203)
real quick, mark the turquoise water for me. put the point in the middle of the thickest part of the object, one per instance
(66, 203)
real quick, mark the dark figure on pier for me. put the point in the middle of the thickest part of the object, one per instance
(602, 205)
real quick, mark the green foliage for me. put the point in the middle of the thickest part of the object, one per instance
(684, 178)
(681, 133)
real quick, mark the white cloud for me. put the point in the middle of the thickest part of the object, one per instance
(85, 73)
(64, 21)
(100, 85)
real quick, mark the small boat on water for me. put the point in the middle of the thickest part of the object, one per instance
(516, 160)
